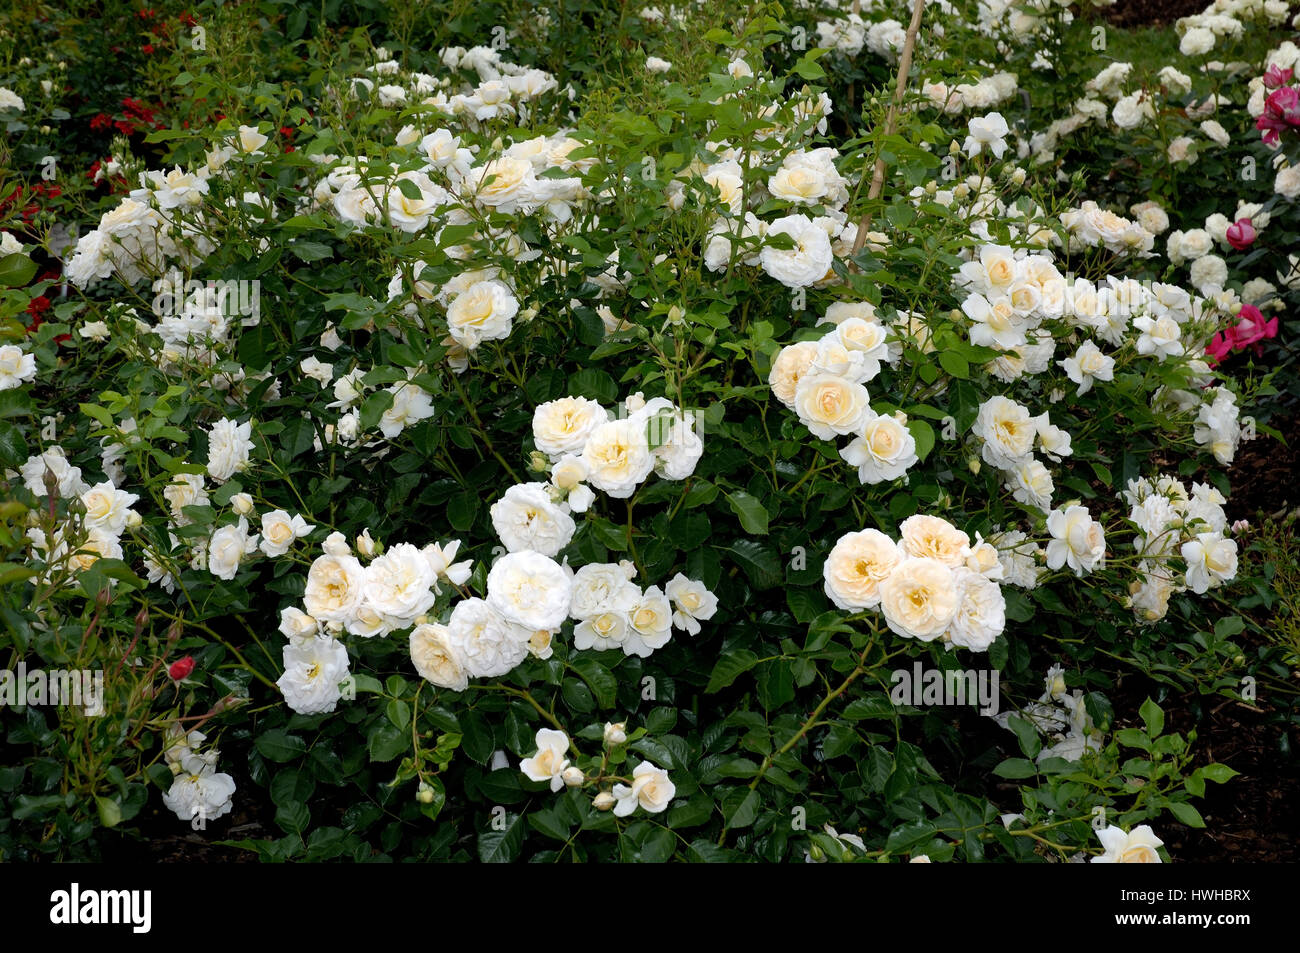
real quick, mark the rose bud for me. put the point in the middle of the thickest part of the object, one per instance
(181, 668)
(1241, 234)
(603, 801)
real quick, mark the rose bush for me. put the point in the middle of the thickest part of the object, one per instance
(531, 467)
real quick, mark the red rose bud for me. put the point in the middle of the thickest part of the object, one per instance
(181, 669)
(1241, 234)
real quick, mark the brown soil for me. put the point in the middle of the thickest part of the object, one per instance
(1138, 13)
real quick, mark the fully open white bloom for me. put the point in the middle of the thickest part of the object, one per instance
(919, 598)
(792, 363)
(981, 611)
(527, 518)
(1139, 846)
(618, 457)
(1161, 336)
(399, 584)
(549, 763)
(603, 630)
(856, 566)
(1077, 540)
(227, 548)
(1088, 364)
(1008, 432)
(16, 368)
(441, 562)
(280, 531)
(488, 642)
(411, 404)
(313, 669)
(694, 603)
(932, 537)
(828, 405)
(1211, 560)
(650, 789)
(483, 312)
(201, 793)
(108, 508)
(804, 264)
(987, 132)
(229, 445)
(437, 658)
(563, 426)
(602, 588)
(530, 590)
(885, 450)
(335, 588)
(678, 444)
(649, 623)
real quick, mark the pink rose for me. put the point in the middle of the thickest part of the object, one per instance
(1241, 234)
(1281, 110)
(1220, 346)
(1251, 327)
(1276, 77)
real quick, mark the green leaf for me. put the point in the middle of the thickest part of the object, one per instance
(760, 562)
(753, 516)
(387, 741)
(16, 270)
(1154, 718)
(729, 668)
(1218, 773)
(276, 744)
(502, 846)
(603, 684)
(1187, 814)
(1014, 768)
(13, 446)
(923, 434)
(954, 364)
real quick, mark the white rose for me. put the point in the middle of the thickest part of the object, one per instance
(483, 312)
(526, 518)
(1007, 431)
(1140, 845)
(562, 426)
(649, 623)
(694, 603)
(280, 531)
(1077, 540)
(884, 451)
(490, 645)
(804, 264)
(618, 457)
(436, 657)
(399, 584)
(313, 669)
(530, 590)
(549, 763)
(16, 368)
(335, 587)
(981, 612)
(229, 445)
(108, 508)
(228, 547)
(650, 789)
(932, 537)
(828, 405)
(919, 598)
(791, 364)
(856, 566)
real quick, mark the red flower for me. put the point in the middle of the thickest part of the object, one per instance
(1276, 77)
(181, 668)
(147, 48)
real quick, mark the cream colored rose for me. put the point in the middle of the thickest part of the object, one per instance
(857, 565)
(829, 405)
(436, 659)
(800, 184)
(884, 451)
(334, 588)
(618, 457)
(107, 507)
(919, 598)
(483, 312)
(563, 426)
(791, 364)
(1007, 430)
(934, 538)
(504, 183)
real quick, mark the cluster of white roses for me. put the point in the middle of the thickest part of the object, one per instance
(1062, 716)
(1227, 19)
(159, 223)
(104, 514)
(934, 582)
(650, 789)
(613, 612)
(1090, 226)
(1171, 523)
(823, 381)
(986, 92)
(199, 793)
(1008, 434)
(584, 443)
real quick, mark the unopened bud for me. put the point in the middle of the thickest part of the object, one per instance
(603, 801)
(425, 794)
(615, 733)
(572, 777)
(242, 504)
(538, 463)
(133, 519)
(366, 545)
(676, 315)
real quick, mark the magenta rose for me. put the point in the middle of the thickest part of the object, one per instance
(1241, 234)
(1277, 77)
